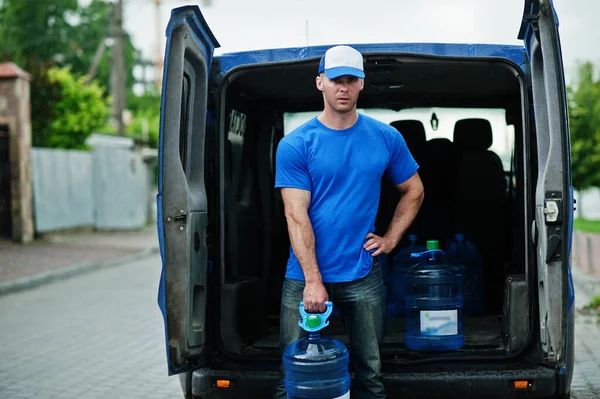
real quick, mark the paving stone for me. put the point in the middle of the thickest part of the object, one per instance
(101, 335)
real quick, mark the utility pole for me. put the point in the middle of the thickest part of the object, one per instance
(159, 31)
(117, 72)
(158, 59)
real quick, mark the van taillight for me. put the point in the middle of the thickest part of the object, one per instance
(521, 384)
(223, 384)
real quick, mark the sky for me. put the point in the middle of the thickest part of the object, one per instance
(258, 24)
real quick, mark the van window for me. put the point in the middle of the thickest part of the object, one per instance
(503, 134)
(183, 128)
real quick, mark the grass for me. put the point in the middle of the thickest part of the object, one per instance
(588, 226)
(592, 308)
(594, 303)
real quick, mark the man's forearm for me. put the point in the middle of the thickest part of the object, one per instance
(302, 238)
(405, 214)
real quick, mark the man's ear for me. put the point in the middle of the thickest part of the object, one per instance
(362, 84)
(319, 83)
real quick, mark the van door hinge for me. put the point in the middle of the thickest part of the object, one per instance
(215, 79)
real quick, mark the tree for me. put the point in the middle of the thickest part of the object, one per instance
(146, 118)
(93, 28)
(34, 33)
(39, 35)
(584, 118)
(78, 111)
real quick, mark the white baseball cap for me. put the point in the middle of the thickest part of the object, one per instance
(342, 60)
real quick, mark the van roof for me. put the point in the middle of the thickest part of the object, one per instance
(512, 52)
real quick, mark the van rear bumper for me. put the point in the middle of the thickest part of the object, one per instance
(468, 384)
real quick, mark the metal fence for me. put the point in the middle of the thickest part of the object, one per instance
(107, 188)
(62, 189)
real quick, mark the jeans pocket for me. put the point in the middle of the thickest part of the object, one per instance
(292, 293)
(376, 272)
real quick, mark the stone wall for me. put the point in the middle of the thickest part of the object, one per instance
(15, 112)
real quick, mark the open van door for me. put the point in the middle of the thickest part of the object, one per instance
(553, 192)
(182, 200)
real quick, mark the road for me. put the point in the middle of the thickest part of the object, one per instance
(100, 335)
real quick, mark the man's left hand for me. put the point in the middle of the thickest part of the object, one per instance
(379, 244)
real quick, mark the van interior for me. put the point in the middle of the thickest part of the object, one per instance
(471, 187)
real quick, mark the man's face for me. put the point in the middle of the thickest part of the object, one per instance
(340, 94)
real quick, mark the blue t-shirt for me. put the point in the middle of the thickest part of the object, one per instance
(342, 169)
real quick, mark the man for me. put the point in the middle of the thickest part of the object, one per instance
(329, 171)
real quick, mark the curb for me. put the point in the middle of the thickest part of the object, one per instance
(63, 273)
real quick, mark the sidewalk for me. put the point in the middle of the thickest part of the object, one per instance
(61, 255)
(585, 261)
(586, 252)
(586, 287)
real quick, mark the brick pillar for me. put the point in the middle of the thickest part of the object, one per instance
(15, 111)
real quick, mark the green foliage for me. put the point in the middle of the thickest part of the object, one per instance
(148, 100)
(39, 35)
(145, 121)
(593, 308)
(78, 111)
(595, 302)
(146, 117)
(36, 34)
(584, 115)
(33, 33)
(93, 29)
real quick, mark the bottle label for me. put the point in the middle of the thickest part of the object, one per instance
(439, 322)
(344, 396)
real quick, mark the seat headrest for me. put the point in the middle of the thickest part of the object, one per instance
(473, 134)
(413, 132)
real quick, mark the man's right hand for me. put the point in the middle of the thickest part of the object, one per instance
(315, 297)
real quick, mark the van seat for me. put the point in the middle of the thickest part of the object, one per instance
(439, 180)
(481, 200)
(481, 182)
(413, 132)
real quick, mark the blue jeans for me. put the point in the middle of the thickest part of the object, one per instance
(361, 304)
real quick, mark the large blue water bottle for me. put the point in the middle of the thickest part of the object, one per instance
(464, 252)
(434, 303)
(315, 366)
(400, 263)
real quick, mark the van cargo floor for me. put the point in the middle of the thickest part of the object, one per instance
(481, 334)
